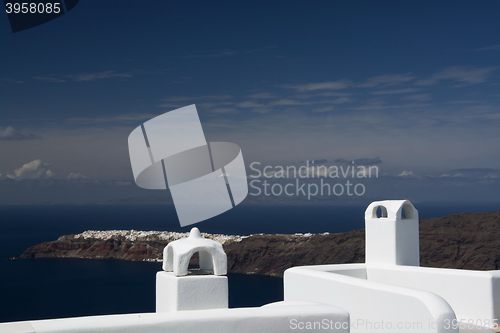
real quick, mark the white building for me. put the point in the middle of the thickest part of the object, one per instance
(388, 293)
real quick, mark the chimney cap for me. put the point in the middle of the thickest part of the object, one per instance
(177, 254)
(393, 210)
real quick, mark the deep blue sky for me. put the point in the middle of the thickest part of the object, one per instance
(415, 83)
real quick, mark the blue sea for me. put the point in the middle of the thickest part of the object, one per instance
(57, 288)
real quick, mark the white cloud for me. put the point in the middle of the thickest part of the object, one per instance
(334, 93)
(463, 135)
(394, 91)
(419, 97)
(495, 47)
(456, 175)
(207, 101)
(217, 97)
(191, 98)
(39, 170)
(227, 53)
(170, 105)
(382, 105)
(9, 134)
(463, 74)
(407, 174)
(294, 102)
(332, 85)
(49, 79)
(33, 170)
(477, 173)
(342, 100)
(261, 96)
(465, 102)
(4, 79)
(84, 76)
(386, 80)
(213, 55)
(287, 101)
(119, 118)
(249, 104)
(261, 110)
(97, 76)
(76, 176)
(327, 108)
(224, 110)
(177, 99)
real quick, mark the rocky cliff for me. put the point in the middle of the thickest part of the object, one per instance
(465, 241)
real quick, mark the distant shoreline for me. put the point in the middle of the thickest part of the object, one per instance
(465, 241)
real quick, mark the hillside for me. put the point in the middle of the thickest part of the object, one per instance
(465, 241)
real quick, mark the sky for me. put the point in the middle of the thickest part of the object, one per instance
(409, 86)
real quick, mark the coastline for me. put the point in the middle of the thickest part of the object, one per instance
(463, 241)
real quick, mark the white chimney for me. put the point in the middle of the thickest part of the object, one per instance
(392, 235)
(178, 288)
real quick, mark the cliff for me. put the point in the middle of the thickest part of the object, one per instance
(465, 241)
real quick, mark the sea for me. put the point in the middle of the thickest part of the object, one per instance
(32, 289)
